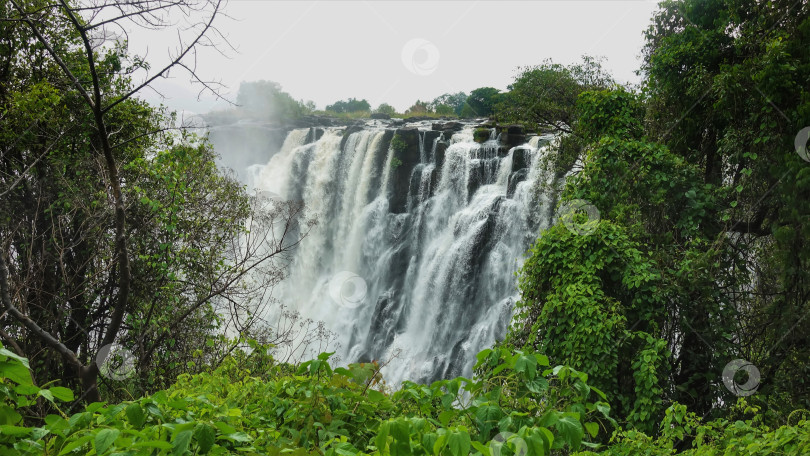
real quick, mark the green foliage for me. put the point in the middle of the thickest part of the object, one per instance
(467, 112)
(182, 218)
(727, 92)
(516, 404)
(266, 100)
(444, 110)
(616, 113)
(419, 108)
(315, 409)
(454, 101)
(481, 134)
(350, 105)
(482, 101)
(592, 302)
(545, 96)
(386, 108)
(398, 144)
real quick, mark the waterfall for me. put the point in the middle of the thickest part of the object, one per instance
(428, 275)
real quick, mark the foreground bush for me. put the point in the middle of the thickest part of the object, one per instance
(516, 405)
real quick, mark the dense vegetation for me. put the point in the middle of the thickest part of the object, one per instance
(681, 246)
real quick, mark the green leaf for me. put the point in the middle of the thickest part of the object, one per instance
(225, 428)
(205, 436)
(483, 449)
(592, 428)
(527, 365)
(181, 441)
(239, 437)
(8, 415)
(135, 415)
(16, 372)
(16, 431)
(381, 441)
(10, 354)
(445, 416)
(159, 444)
(105, 439)
(62, 393)
(488, 413)
(76, 444)
(570, 430)
(535, 445)
(375, 396)
(47, 395)
(459, 443)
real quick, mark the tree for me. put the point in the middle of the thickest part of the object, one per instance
(107, 215)
(483, 100)
(266, 100)
(444, 110)
(545, 96)
(386, 108)
(649, 268)
(350, 105)
(454, 100)
(727, 84)
(420, 107)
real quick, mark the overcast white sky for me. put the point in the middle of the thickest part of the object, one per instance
(398, 52)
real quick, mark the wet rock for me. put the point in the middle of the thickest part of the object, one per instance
(428, 138)
(434, 181)
(447, 126)
(379, 115)
(406, 151)
(315, 133)
(521, 158)
(441, 149)
(348, 132)
(514, 179)
(476, 178)
(511, 135)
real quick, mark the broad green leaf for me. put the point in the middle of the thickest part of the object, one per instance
(10, 354)
(592, 428)
(62, 393)
(135, 415)
(375, 396)
(205, 436)
(16, 431)
(104, 439)
(483, 449)
(181, 441)
(76, 444)
(445, 416)
(16, 372)
(159, 444)
(459, 443)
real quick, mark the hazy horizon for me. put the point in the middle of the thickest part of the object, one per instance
(398, 52)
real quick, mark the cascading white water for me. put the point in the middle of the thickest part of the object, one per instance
(433, 282)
